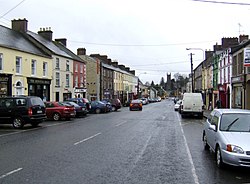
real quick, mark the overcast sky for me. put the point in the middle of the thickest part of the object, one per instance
(148, 36)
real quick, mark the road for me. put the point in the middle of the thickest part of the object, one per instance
(154, 145)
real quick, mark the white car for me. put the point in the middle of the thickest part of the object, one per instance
(227, 133)
(177, 105)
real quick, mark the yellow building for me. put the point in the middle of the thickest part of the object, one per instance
(25, 69)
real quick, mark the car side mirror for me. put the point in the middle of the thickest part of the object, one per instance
(212, 127)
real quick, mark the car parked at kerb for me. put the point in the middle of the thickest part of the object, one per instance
(58, 110)
(227, 133)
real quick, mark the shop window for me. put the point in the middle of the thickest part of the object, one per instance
(18, 65)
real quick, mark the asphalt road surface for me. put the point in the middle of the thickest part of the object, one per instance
(152, 146)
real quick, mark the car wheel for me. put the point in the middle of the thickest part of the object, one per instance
(18, 122)
(56, 117)
(206, 146)
(218, 157)
(114, 108)
(98, 111)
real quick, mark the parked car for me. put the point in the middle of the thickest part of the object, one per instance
(144, 101)
(135, 105)
(98, 107)
(227, 133)
(115, 103)
(192, 104)
(20, 110)
(84, 102)
(108, 105)
(177, 106)
(80, 111)
(59, 110)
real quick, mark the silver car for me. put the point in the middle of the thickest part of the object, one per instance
(227, 133)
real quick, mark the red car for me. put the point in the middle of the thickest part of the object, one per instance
(135, 105)
(58, 110)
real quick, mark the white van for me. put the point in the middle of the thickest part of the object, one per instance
(192, 104)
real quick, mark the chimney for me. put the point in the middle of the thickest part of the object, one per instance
(81, 51)
(46, 33)
(229, 42)
(132, 72)
(127, 69)
(62, 41)
(208, 54)
(115, 64)
(243, 38)
(122, 67)
(217, 47)
(20, 25)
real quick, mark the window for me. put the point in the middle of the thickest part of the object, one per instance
(1, 61)
(57, 79)
(57, 63)
(81, 68)
(33, 67)
(45, 69)
(76, 67)
(67, 80)
(76, 82)
(67, 65)
(82, 84)
(18, 65)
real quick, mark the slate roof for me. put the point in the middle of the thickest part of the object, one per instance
(16, 40)
(48, 44)
(240, 46)
(69, 52)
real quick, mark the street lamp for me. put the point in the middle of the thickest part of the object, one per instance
(138, 83)
(203, 52)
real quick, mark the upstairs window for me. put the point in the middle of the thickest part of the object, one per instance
(81, 68)
(67, 80)
(57, 79)
(45, 69)
(67, 65)
(1, 61)
(57, 64)
(76, 67)
(18, 65)
(33, 67)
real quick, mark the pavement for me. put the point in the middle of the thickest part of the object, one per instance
(206, 113)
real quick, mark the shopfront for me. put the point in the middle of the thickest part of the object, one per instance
(39, 87)
(238, 91)
(5, 85)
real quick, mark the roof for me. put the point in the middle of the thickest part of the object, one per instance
(49, 45)
(69, 52)
(230, 111)
(240, 46)
(16, 40)
(116, 69)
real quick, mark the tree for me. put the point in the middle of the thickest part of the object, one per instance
(162, 83)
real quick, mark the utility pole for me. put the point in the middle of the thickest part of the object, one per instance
(192, 73)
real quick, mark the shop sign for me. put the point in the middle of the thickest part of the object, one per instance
(38, 81)
(80, 90)
(4, 79)
(238, 79)
(247, 57)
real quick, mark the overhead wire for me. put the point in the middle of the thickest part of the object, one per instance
(12, 9)
(222, 2)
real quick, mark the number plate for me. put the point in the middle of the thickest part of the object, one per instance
(39, 112)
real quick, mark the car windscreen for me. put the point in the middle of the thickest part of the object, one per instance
(237, 122)
(37, 102)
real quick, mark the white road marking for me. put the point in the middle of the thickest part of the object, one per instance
(11, 172)
(91, 137)
(121, 123)
(196, 180)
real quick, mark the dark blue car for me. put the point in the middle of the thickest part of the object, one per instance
(98, 107)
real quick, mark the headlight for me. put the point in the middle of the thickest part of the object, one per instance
(235, 149)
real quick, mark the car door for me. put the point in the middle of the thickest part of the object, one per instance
(212, 134)
(5, 109)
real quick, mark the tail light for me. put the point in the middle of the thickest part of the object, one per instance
(30, 111)
(140, 105)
